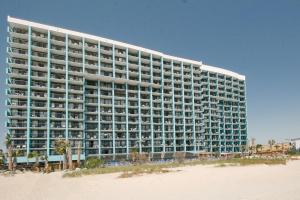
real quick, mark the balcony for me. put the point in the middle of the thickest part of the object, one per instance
(91, 65)
(38, 146)
(58, 78)
(18, 43)
(58, 126)
(58, 59)
(38, 95)
(38, 125)
(91, 56)
(59, 50)
(38, 135)
(39, 56)
(58, 88)
(91, 47)
(55, 97)
(75, 44)
(18, 53)
(18, 33)
(58, 40)
(38, 36)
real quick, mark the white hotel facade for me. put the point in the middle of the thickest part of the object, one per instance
(111, 97)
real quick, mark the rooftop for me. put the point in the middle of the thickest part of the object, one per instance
(12, 20)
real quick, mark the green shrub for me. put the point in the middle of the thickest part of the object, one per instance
(179, 157)
(293, 152)
(132, 170)
(93, 162)
(237, 156)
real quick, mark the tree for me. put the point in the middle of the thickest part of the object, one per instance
(162, 155)
(282, 147)
(259, 147)
(179, 157)
(243, 149)
(15, 154)
(277, 146)
(35, 155)
(45, 158)
(78, 153)
(251, 148)
(70, 162)
(1, 157)
(142, 157)
(93, 162)
(217, 154)
(150, 156)
(61, 147)
(9, 147)
(271, 143)
(134, 155)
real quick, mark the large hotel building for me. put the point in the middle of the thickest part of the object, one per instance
(111, 97)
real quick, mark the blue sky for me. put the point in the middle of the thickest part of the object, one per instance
(260, 39)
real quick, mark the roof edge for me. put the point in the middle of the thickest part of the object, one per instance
(93, 37)
(222, 71)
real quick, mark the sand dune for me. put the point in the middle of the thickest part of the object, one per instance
(197, 182)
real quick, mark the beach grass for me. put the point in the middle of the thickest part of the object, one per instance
(150, 168)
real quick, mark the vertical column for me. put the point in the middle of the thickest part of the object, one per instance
(209, 105)
(173, 106)
(231, 113)
(162, 104)
(99, 100)
(219, 128)
(113, 105)
(113, 120)
(7, 89)
(239, 125)
(246, 111)
(151, 104)
(193, 106)
(83, 106)
(114, 60)
(67, 88)
(224, 114)
(29, 90)
(183, 104)
(126, 109)
(202, 124)
(48, 93)
(224, 129)
(139, 100)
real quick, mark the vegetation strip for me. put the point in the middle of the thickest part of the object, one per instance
(148, 168)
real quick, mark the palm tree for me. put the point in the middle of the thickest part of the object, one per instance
(134, 155)
(35, 155)
(243, 149)
(1, 157)
(15, 154)
(251, 149)
(69, 152)
(150, 156)
(258, 147)
(78, 153)
(271, 143)
(61, 147)
(277, 146)
(9, 147)
(162, 155)
(45, 158)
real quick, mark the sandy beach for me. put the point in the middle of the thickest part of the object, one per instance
(258, 182)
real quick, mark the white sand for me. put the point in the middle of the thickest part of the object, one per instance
(198, 182)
